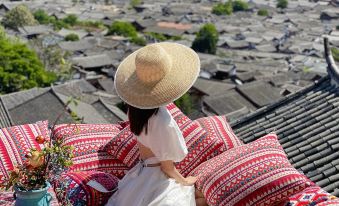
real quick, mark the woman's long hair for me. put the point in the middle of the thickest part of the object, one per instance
(138, 118)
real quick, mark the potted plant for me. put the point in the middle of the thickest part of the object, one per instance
(31, 180)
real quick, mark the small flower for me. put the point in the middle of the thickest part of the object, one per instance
(36, 160)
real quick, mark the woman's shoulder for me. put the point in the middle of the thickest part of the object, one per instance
(162, 116)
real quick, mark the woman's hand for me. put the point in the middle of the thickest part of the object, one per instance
(169, 169)
(190, 180)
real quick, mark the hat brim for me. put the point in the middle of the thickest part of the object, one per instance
(184, 72)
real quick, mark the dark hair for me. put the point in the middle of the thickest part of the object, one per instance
(138, 118)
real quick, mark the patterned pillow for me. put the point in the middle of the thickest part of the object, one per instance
(332, 202)
(200, 145)
(72, 188)
(15, 143)
(218, 127)
(257, 173)
(87, 140)
(310, 196)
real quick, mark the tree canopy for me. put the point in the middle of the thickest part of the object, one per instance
(126, 29)
(228, 7)
(41, 16)
(239, 5)
(282, 4)
(262, 12)
(72, 37)
(20, 67)
(223, 8)
(185, 103)
(206, 39)
(19, 16)
(335, 53)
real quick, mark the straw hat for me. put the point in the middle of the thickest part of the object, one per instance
(156, 74)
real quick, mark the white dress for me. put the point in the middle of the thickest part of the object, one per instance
(144, 186)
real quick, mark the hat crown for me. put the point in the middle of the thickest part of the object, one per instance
(152, 64)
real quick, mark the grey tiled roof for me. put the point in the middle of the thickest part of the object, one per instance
(43, 107)
(307, 124)
(211, 87)
(46, 104)
(5, 119)
(13, 100)
(259, 93)
(228, 102)
(83, 110)
(99, 60)
(109, 112)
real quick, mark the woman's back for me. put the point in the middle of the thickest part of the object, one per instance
(145, 152)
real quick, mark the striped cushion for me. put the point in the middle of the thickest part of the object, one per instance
(87, 140)
(331, 202)
(257, 173)
(310, 196)
(199, 144)
(15, 143)
(72, 188)
(218, 127)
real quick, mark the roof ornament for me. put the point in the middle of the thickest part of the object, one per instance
(332, 68)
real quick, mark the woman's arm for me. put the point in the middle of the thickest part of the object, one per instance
(169, 169)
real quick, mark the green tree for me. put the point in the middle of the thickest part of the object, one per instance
(126, 29)
(262, 12)
(58, 24)
(282, 4)
(185, 103)
(121, 28)
(223, 8)
(335, 53)
(206, 39)
(54, 59)
(19, 16)
(134, 3)
(239, 5)
(72, 37)
(139, 41)
(70, 19)
(20, 67)
(41, 16)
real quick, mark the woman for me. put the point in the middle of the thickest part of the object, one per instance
(147, 80)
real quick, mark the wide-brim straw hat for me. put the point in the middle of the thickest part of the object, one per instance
(157, 74)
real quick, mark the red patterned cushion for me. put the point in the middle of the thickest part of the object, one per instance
(87, 140)
(15, 143)
(333, 202)
(200, 146)
(257, 173)
(72, 188)
(310, 196)
(218, 127)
